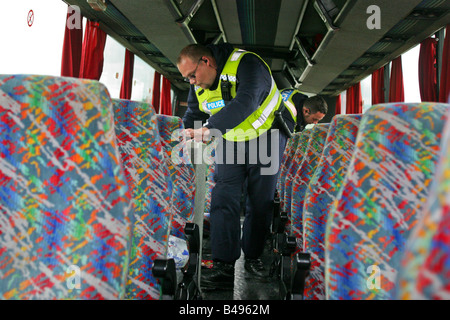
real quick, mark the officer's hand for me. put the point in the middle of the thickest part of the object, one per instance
(201, 134)
(189, 133)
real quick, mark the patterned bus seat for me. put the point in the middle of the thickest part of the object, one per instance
(425, 269)
(386, 186)
(302, 177)
(176, 154)
(65, 214)
(151, 187)
(320, 194)
(286, 160)
(181, 171)
(291, 170)
(209, 157)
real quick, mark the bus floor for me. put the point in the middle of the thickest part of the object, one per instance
(246, 286)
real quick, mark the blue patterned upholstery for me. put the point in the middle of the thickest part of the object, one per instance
(65, 214)
(321, 193)
(386, 186)
(291, 170)
(181, 171)
(425, 269)
(149, 180)
(286, 161)
(301, 179)
(209, 157)
(176, 155)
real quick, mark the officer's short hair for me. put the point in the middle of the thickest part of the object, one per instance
(194, 52)
(316, 104)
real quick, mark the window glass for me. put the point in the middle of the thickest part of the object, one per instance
(32, 35)
(143, 76)
(410, 67)
(366, 93)
(344, 102)
(114, 61)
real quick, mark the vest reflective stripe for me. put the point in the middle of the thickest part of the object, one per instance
(291, 107)
(287, 95)
(237, 54)
(274, 102)
(256, 123)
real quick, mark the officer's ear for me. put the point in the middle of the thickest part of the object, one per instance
(209, 62)
(306, 111)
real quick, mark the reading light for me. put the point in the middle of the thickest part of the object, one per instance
(97, 5)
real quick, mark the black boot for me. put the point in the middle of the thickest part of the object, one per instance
(221, 276)
(255, 267)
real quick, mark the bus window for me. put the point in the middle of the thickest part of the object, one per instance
(411, 74)
(32, 34)
(143, 76)
(366, 93)
(114, 60)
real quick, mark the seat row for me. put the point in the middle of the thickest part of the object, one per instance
(365, 198)
(93, 191)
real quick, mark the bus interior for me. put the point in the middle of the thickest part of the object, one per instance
(70, 231)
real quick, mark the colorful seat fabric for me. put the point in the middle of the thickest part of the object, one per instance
(209, 158)
(151, 187)
(321, 193)
(286, 161)
(291, 170)
(182, 174)
(386, 186)
(65, 214)
(302, 177)
(181, 171)
(425, 269)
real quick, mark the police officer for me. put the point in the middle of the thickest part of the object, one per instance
(304, 110)
(233, 92)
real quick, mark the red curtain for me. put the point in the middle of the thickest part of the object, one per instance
(166, 104)
(444, 89)
(396, 89)
(378, 86)
(156, 91)
(354, 100)
(92, 55)
(338, 105)
(127, 79)
(71, 55)
(427, 70)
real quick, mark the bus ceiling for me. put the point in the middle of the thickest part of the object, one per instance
(317, 46)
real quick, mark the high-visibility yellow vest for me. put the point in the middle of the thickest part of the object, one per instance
(261, 120)
(286, 95)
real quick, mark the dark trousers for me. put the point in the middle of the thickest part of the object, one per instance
(258, 161)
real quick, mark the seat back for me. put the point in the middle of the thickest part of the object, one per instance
(286, 160)
(65, 217)
(321, 193)
(425, 267)
(149, 180)
(291, 170)
(302, 178)
(385, 188)
(176, 155)
(209, 153)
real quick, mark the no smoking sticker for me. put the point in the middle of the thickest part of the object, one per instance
(30, 18)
